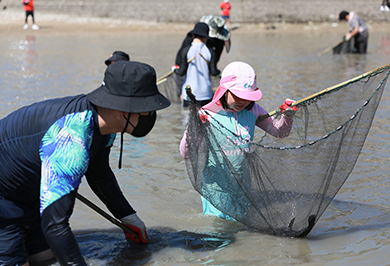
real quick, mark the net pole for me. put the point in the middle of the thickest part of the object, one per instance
(326, 91)
(105, 215)
(163, 77)
(329, 48)
(161, 81)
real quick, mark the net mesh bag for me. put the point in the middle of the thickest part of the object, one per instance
(282, 186)
(345, 47)
(170, 86)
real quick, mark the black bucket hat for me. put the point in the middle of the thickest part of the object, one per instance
(129, 86)
(201, 29)
(117, 56)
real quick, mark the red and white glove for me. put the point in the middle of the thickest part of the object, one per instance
(174, 67)
(133, 222)
(286, 108)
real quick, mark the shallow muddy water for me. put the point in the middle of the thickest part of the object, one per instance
(352, 231)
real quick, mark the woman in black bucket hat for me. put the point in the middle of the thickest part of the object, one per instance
(63, 140)
(197, 63)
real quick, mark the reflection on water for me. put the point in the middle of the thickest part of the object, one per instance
(354, 228)
(29, 56)
(385, 45)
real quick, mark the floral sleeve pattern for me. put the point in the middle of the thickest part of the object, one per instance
(64, 152)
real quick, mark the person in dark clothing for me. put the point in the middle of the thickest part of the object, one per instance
(179, 80)
(385, 5)
(47, 147)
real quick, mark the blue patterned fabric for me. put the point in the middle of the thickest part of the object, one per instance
(45, 150)
(64, 153)
(111, 139)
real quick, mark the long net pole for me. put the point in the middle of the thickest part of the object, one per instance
(329, 48)
(105, 215)
(163, 77)
(327, 90)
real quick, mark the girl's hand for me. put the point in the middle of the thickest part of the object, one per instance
(286, 108)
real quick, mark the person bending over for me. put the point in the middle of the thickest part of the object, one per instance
(45, 150)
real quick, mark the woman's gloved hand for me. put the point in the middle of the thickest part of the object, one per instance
(286, 108)
(133, 222)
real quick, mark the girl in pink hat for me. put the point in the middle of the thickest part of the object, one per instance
(234, 106)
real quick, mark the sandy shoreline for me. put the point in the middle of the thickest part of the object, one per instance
(12, 21)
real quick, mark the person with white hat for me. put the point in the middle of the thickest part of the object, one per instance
(234, 106)
(47, 147)
(219, 35)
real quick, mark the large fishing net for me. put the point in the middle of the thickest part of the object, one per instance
(282, 186)
(344, 47)
(170, 86)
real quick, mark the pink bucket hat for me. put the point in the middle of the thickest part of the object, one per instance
(240, 79)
